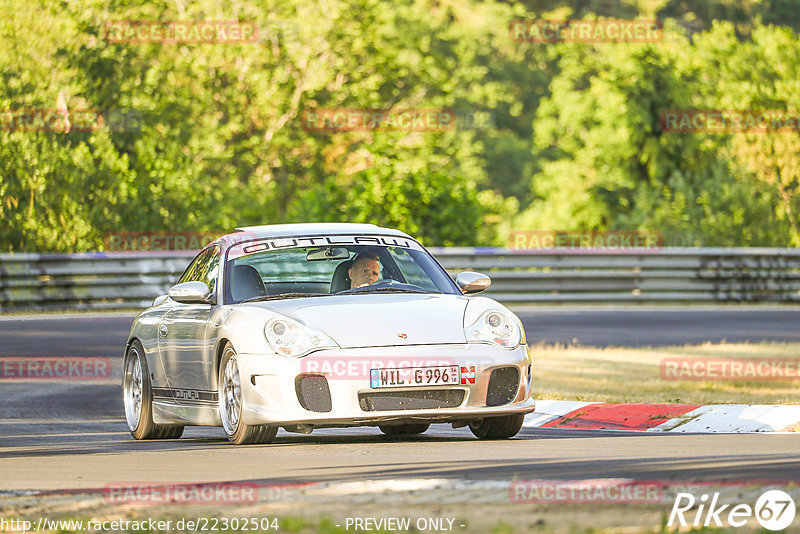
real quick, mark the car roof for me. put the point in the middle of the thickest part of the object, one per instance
(309, 229)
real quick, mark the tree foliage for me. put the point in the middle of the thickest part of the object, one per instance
(216, 136)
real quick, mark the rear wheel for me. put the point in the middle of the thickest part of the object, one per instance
(138, 398)
(231, 404)
(503, 427)
(404, 430)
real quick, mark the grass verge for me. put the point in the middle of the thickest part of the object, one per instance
(622, 374)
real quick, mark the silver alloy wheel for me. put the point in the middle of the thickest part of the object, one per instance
(133, 389)
(230, 395)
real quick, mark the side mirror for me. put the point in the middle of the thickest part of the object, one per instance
(191, 293)
(469, 282)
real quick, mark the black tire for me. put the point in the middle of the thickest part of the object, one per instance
(141, 425)
(238, 433)
(404, 430)
(503, 427)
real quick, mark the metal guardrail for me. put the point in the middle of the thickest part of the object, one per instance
(131, 280)
(660, 275)
(97, 281)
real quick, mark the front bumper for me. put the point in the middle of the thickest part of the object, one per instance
(270, 395)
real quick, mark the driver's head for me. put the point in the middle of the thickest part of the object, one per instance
(365, 270)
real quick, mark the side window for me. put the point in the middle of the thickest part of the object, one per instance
(204, 268)
(211, 269)
(191, 272)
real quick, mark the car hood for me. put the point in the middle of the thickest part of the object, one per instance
(382, 320)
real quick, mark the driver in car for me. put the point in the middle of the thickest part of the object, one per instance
(365, 270)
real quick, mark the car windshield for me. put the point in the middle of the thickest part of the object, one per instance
(270, 270)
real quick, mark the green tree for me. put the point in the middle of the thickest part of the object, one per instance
(609, 165)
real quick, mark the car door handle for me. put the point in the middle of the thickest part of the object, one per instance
(162, 330)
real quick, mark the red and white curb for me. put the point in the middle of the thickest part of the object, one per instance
(689, 418)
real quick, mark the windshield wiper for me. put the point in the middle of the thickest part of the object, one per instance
(285, 296)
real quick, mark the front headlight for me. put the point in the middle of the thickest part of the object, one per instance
(291, 338)
(494, 327)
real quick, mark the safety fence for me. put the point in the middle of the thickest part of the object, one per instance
(132, 280)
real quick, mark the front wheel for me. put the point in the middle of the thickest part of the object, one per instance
(231, 404)
(404, 430)
(503, 427)
(138, 398)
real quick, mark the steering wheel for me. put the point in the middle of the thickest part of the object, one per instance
(392, 282)
(387, 282)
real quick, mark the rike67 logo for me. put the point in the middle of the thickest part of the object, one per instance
(774, 510)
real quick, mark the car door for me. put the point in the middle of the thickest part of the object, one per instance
(183, 335)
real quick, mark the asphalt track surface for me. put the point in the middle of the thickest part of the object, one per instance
(62, 435)
(105, 335)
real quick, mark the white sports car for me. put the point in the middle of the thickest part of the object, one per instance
(306, 326)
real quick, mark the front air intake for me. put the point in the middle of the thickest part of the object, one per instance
(425, 399)
(313, 393)
(503, 386)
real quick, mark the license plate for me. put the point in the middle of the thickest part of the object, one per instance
(445, 375)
